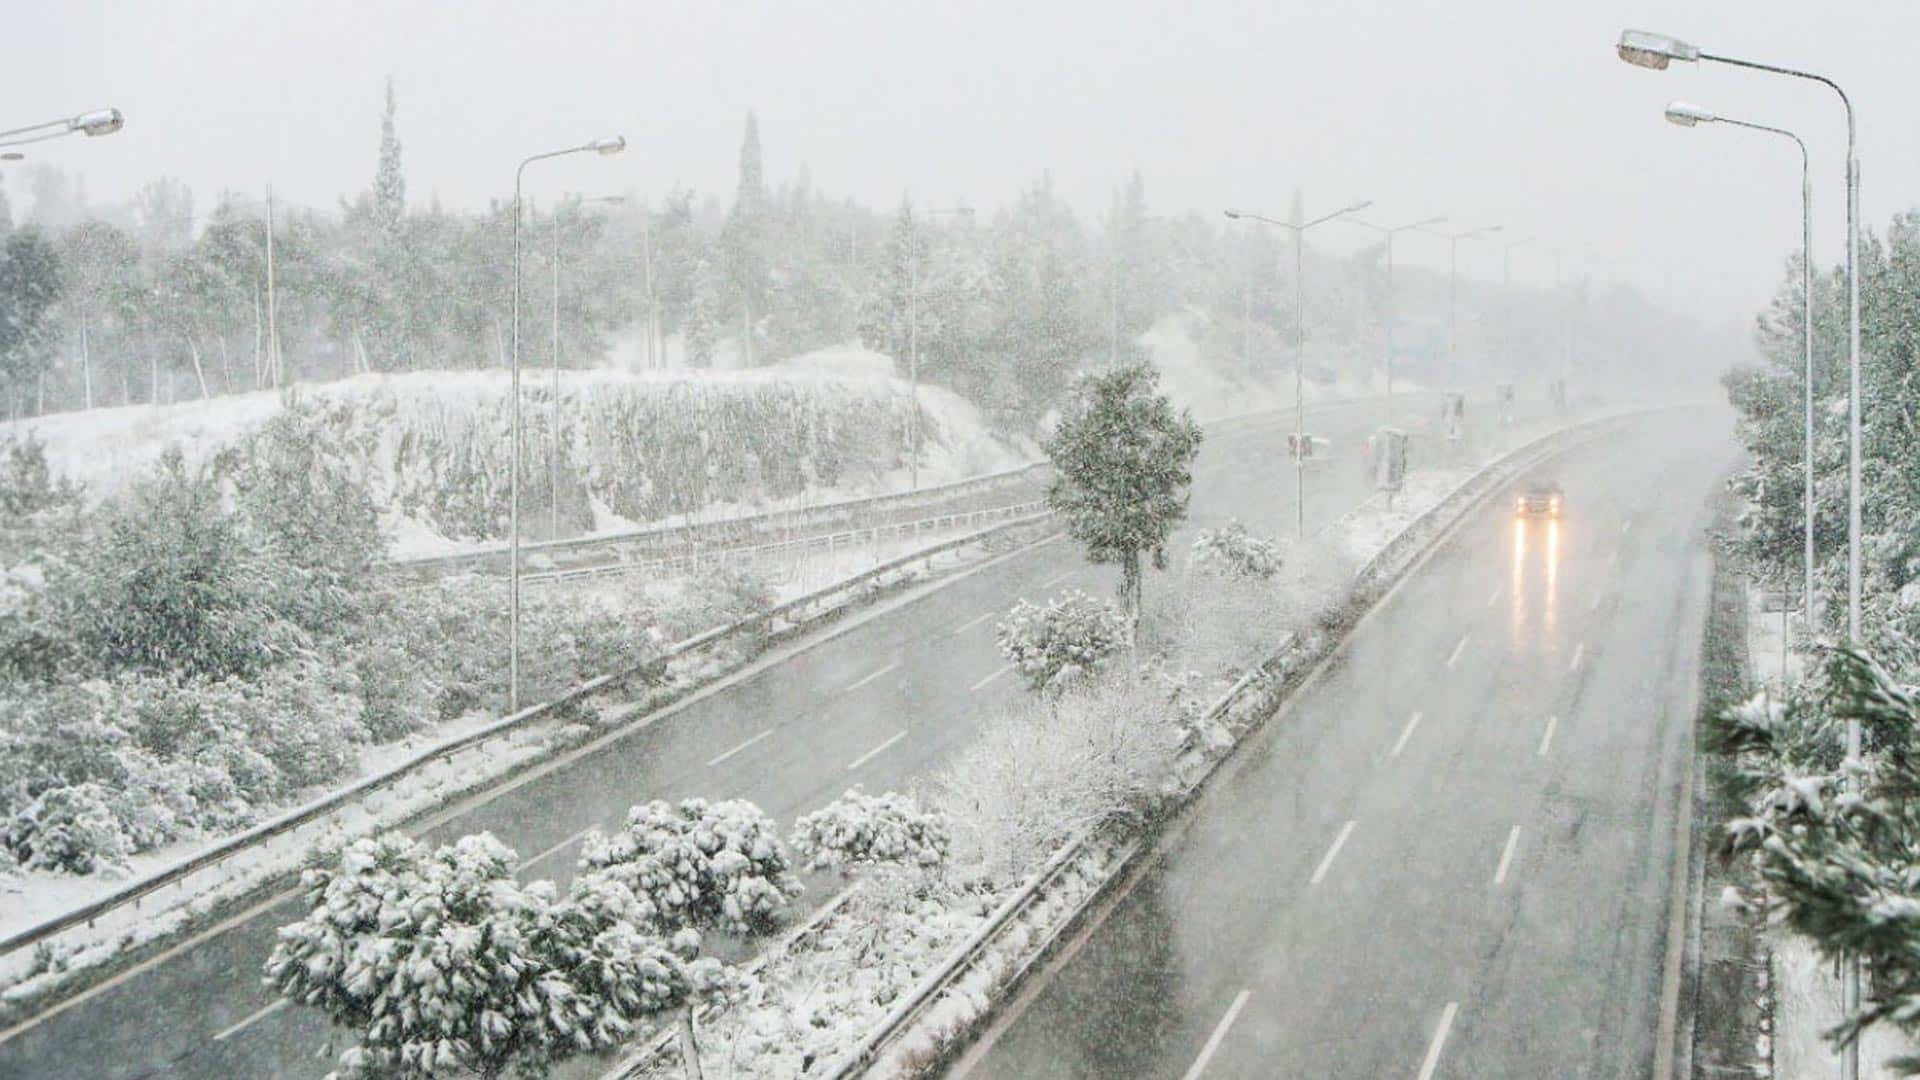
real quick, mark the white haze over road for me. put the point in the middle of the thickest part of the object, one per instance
(1482, 109)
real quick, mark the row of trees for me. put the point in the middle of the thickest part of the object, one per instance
(155, 302)
(1837, 845)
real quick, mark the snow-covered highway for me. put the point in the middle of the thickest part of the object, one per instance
(1453, 854)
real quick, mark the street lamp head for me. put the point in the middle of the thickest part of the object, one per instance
(1235, 215)
(98, 122)
(608, 146)
(1441, 220)
(12, 155)
(1687, 114)
(1649, 50)
(1357, 207)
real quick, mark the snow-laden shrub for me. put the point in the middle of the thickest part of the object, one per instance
(28, 486)
(1233, 551)
(858, 829)
(310, 732)
(442, 964)
(697, 865)
(71, 829)
(1064, 640)
(397, 695)
(1043, 771)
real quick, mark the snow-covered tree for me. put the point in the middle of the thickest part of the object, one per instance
(29, 287)
(441, 964)
(1122, 458)
(1061, 642)
(389, 183)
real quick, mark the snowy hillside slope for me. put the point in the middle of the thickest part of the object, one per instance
(632, 447)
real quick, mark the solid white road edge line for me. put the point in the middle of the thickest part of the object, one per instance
(1219, 1033)
(1506, 856)
(1412, 722)
(1458, 649)
(1546, 740)
(864, 681)
(1327, 859)
(1439, 1042)
(997, 672)
(875, 752)
(712, 761)
(252, 1018)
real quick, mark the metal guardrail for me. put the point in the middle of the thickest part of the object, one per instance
(1385, 564)
(780, 618)
(745, 525)
(829, 541)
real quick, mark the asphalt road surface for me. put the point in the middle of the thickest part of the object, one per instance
(1453, 855)
(884, 699)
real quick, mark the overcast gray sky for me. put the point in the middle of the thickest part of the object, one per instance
(1511, 111)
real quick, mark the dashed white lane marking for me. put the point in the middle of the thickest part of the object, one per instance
(1579, 651)
(541, 857)
(973, 622)
(864, 681)
(1458, 649)
(1506, 856)
(875, 752)
(1056, 579)
(717, 760)
(1626, 525)
(997, 672)
(252, 1018)
(1495, 598)
(1597, 594)
(1327, 859)
(1401, 744)
(1439, 1042)
(1546, 740)
(1219, 1033)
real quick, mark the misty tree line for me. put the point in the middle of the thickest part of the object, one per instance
(153, 303)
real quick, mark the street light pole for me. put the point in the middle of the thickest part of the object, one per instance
(1453, 288)
(1657, 51)
(1299, 344)
(600, 146)
(1393, 297)
(1687, 115)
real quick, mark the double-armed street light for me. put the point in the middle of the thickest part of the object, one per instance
(1686, 114)
(1645, 49)
(92, 124)
(1453, 285)
(913, 341)
(611, 145)
(1393, 300)
(1299, 230)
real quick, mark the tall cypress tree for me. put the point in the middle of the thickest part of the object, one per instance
(389, 185)
(744, 239)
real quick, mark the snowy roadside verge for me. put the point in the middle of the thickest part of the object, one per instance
(954, 1004)
(235, 877)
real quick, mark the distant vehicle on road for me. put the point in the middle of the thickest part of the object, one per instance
(1539, 500)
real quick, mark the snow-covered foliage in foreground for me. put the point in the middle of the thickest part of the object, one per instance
(1055, 644)
(1232, 550)
(430, 448)
(858, 830)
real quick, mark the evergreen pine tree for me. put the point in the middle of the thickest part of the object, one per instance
(744, 239)
(389, 185)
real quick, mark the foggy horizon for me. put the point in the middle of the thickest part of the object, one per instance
(1513, 116)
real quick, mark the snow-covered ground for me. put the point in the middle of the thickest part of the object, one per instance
(412, 437)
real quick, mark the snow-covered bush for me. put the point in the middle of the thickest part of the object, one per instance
(697, 865)
(27, 485)
(858, 829)
(1043, 771)
(71, 829)
(1064, 640)
(1233, 551)
(441, 964)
